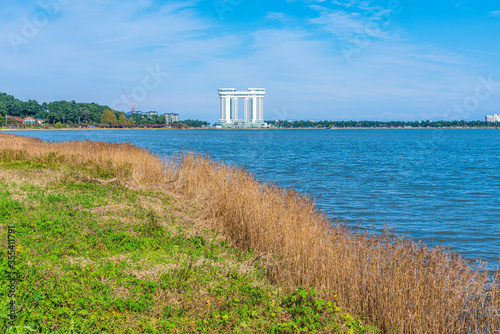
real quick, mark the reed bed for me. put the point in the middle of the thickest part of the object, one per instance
(121, 160)
(398, 284)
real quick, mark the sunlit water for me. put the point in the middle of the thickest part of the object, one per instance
(438, 186)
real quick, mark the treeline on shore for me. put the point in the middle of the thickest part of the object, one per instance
(379, 124)
(69, 114)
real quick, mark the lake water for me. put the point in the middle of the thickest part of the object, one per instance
(438, 186)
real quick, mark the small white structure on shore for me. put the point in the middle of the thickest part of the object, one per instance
(492, 118)
(254, 107)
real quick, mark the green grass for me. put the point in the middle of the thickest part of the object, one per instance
(97, 257)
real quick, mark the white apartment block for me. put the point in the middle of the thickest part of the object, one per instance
(492, 118)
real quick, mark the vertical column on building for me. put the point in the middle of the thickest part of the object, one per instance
(248, 110)
(234, 109)
(222, 109)
(259, 109)
(262, 110)
(227, 108)
(254, 108)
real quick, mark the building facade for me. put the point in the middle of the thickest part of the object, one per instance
(492, 118)
(29, 120)
(171, 118)
(253, 107)
(149, 113)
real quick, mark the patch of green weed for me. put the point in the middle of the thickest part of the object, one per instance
(96, 257)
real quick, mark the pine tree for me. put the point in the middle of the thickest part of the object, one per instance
(104, 118)
(3, 108)
(109, 117)
(122, 119)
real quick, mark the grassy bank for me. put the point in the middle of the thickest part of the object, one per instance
(105, 246)
(282, 243)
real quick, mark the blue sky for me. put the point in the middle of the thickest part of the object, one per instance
(340, 59)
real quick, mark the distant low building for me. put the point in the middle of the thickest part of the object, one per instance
(28, 120)
(171, 118)
(39, 121)
(149, 113)
(492, 118)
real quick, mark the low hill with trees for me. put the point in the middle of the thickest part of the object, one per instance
(73, 113)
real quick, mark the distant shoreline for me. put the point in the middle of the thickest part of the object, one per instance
(156, 129)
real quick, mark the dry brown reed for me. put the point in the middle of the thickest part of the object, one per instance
(396, 283)
(123, 160)
(401, 286)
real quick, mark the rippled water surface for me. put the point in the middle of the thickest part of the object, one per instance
(438, 186)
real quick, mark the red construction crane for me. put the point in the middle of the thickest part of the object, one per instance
(132, 105)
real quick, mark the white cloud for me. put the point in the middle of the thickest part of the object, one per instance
(100, 47)
(494, 13)
(275, 16)
(348, 25)
(340, 24)
(94, 48)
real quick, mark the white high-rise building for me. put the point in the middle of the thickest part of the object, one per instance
(492, 118)
(254, 107)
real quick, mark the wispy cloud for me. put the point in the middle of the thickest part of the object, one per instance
(87, 54)
(280, 17)
(363, 21)
(494, 13)
(339, 23)
(365, 7)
